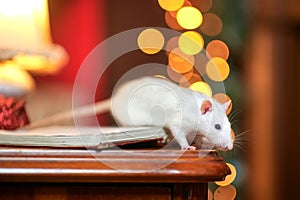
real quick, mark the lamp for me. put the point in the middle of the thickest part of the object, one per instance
(26, 45)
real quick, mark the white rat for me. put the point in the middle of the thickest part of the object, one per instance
(153, 101)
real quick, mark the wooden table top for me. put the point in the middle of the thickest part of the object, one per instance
(110, 166)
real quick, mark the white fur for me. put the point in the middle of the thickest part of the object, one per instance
(158, 102)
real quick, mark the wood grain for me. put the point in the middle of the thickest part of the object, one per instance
(56, 165)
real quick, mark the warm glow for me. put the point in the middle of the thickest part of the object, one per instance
(171, 44)
(17, 80)
(201, 87)
(212, 25)
(225, 193)
(232, 135)
(209, 195)
(175, 76)
(217, 69)
(202, 5)
(186, 3)
(229, 178)
(223, 98)
(217, 48)
(25, 30)
(151, 41)
(184, 82)
(170, 5)
(24, 24)
(172, 22)
(190, 42)
(189, 17)
(180, 62)
(200, 63)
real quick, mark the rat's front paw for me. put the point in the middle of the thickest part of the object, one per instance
(188, 148)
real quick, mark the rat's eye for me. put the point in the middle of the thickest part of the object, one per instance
(218, 126)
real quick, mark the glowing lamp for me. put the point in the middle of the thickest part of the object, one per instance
(26, 39)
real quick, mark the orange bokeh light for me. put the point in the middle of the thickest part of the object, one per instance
(223, 98)
(184, 82)
(180, 62)
(202, 5)
(225, 193)
(175, 76)
(172, 22)
(217, 69)
(171, 44)
(229, 178)
(212, 25)
(217, 48)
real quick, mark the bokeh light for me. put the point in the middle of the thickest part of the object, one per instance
(225, 193)
(189, 17)
(172, 22)
(170, 5)
(202, 5)
(217, 69)
(151, 41)
(191, 42)
(186, 3)
(223, 98)
(217, 48)
(184, 82)
(209, 195)
(175, 76)
(171, 44)
(180, 62)
(212, 25)
(229, 178)
(200, 63)
(201, 87)
(232, 135)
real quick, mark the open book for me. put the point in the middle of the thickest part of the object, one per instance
(82, 136)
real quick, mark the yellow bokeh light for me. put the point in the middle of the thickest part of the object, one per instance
(217, 48)
(170, 5)
(212, 25)
(217, 69)
(181, 62)
(151, 41)
(223, 98)
(186, 3)
(189, 17)
(230, 178)
(201, 87)
(225, 193)
(191, 42)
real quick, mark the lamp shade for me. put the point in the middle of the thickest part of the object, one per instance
(26, 38)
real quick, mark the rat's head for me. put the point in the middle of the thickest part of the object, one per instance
(214, 124)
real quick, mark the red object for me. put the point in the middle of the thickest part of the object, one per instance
(12, 113)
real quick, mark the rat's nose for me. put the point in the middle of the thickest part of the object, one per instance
(229, 147)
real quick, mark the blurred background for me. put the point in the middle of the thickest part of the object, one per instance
(263, 38)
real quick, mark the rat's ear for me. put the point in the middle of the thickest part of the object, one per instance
(206, 107)
(227, 104)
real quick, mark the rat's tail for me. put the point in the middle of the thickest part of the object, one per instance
(87, 110)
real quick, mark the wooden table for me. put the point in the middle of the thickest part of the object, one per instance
(33, 173)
